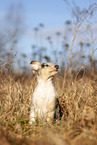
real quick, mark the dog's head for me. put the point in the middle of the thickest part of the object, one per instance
(45, 70)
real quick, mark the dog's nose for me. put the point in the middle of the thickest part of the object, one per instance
(57, 66)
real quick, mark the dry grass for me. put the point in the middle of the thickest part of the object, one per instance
(78, 101)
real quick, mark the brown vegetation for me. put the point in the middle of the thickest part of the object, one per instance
(78, 99)
(76, 91)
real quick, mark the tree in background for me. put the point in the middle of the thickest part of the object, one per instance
(10, 32)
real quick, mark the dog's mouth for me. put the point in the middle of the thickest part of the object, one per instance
(54, 72)
(56, 68)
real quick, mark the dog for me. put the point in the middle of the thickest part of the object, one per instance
(44, 104)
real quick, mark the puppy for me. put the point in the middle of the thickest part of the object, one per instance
(44, 99)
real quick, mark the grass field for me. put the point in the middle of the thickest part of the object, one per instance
(78, 99)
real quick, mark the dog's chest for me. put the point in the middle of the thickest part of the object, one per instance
(44, 93)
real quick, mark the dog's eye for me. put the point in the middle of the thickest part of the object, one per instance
(47, 65)
(43, 65)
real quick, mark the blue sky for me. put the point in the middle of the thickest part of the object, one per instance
(52, 13)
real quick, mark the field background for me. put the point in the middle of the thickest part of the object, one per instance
(74, 48)
(78, 99)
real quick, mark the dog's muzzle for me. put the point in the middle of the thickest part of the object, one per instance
(57, 67)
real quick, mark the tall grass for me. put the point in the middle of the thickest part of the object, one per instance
(78, 99)
(77, 94)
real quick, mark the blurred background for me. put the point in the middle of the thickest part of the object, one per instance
(58, 31)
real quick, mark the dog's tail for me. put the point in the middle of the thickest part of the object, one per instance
(58, 112)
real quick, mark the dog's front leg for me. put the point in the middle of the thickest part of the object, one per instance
(32, 115)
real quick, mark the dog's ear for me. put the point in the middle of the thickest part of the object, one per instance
(35, 65)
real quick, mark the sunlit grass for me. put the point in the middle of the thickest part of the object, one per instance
(78, 99)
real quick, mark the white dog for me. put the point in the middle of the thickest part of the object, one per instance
(44, 102)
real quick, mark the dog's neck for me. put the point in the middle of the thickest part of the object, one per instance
(41, 80)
